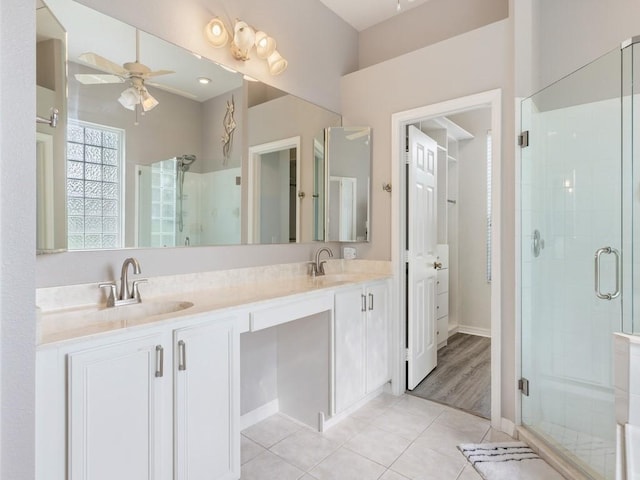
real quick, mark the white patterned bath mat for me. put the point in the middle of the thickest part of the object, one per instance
(507, 461)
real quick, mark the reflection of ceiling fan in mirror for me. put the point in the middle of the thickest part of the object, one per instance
(136, 73)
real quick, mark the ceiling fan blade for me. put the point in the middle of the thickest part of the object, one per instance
(103, 64)
(157, 73)
(169, 89)
(97, 78)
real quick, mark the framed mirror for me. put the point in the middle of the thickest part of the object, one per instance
(342, 184)
(163, 160)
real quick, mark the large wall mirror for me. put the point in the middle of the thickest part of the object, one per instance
(191, 156)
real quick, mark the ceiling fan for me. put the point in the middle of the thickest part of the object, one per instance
(136, 73)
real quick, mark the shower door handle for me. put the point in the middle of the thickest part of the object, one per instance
(599, 253)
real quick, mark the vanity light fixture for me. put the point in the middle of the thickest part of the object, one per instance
(244, 40)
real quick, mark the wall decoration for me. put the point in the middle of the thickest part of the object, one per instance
(229, 124)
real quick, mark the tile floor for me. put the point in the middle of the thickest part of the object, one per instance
(390, 438)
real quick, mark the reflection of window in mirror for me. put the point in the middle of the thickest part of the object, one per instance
(94, 186)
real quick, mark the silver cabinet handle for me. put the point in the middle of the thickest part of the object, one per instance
(599, 253)
(159, 361)
(363, 297)
(182, 355)
(371, 301)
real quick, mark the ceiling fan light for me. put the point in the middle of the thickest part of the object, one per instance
(147, 101)
(216, 33)
(129, 98)
(277, 64)
(265, 45)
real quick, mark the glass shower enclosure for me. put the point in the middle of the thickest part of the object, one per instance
(579, 195)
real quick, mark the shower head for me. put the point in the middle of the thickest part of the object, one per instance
(184, 161)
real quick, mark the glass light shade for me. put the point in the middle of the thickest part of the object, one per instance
(129, 98)
(277, 64)
(147, 101)
(244, 37)
(216, 33)
(265, 45)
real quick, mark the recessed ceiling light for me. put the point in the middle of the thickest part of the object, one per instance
(204, 80)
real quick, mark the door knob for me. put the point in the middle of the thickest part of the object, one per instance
(437, 265)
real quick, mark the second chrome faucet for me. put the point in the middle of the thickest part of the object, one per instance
(127, 295)
(317, 267)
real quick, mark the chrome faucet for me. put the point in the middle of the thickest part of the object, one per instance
(127, 295)
(317, 267)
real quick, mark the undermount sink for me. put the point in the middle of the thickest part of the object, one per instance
(335, 279)
(83, 317)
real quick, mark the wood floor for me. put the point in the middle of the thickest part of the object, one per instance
(462, 378)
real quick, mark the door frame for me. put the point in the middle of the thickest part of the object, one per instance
(399, 121)
(253, 175)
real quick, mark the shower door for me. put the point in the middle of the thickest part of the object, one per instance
(571, 254)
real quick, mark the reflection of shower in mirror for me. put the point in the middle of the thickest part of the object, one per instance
(182, 165)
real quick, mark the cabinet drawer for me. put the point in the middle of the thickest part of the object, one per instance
(443, 280)
(442, 305)
(286, 312)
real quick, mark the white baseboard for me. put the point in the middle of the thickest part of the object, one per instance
(259, 414)
(453, 329)
(481, 332)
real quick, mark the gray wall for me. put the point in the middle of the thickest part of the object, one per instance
(17, 239)
(470, 63)
(429, 23)
(474, 293)
(319, 46)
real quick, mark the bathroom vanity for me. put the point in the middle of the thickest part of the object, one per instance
(155, 393)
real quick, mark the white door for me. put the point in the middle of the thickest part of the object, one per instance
(350, 308)
(206, 408)
(421, 256)
(116, 410)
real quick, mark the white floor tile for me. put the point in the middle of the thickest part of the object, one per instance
(419, 462)
(391, 475)
(249, 449)
(378, 445)
(494, 435)
(469, 473)
(420, 406)
(268, 466)
(445, 440)
(304, 449)
(345, 430)
(347, 465)
(476, 427)
(405, 424)
(271, 430)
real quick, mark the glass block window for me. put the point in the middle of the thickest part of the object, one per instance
(94, 186)
(163, 203)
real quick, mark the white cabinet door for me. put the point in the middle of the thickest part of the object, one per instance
(206, 410)
(350, 329)
(377, 339)
(117, 398)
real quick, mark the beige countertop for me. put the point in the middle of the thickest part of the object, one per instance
(78, 322)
